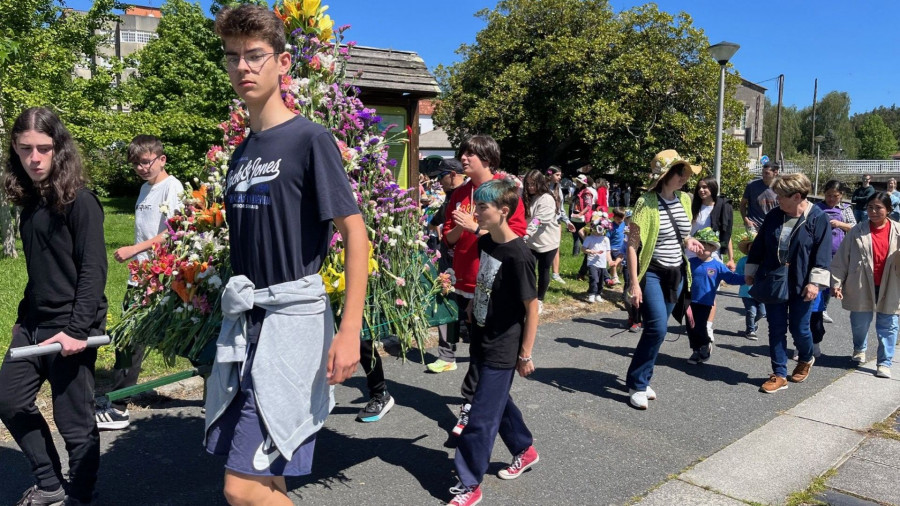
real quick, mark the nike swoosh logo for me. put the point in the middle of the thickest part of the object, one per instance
(265, 455)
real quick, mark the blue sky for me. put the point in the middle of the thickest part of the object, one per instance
(848, 46)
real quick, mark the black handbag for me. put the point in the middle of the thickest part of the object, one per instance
(773, 287)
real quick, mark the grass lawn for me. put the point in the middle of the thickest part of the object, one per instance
(119, 230)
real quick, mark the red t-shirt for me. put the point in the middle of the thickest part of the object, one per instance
(465, 251)
(880, 240)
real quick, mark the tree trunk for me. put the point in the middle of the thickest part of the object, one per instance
(7, 212)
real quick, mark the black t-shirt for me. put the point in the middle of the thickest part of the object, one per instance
(284, 186)
(505, 279)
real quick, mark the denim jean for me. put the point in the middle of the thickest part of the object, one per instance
(754, 312)
(793, 314)
(885, 329)
(655, 313)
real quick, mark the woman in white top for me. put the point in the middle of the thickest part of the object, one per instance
(543, 234)
(554, 175)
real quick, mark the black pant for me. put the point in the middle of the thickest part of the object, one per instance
(544, 263)
(597, 277)
(576, 239)
(470, 382)
(371, 363)
(817, 326)
(72, 386)
(699, 333)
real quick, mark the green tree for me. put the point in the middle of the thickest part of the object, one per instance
(181, 86)
(890, 116)
(790, 130)
(876, 141)
(832, 122)
(556, 81)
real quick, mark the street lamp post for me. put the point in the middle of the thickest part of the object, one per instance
(818, 139)
(721, 52)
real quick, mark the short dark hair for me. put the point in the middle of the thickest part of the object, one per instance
(618, 212)
(833, 184)
(484, 147)
(143, 144)
(252, 21)
(772, 165)
(499, 193)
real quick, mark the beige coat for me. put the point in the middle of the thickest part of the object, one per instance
(852, 270)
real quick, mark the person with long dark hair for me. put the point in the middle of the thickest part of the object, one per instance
(65, 256)
(866, 281)
(554, 176)
(542, 234)
(660, 228)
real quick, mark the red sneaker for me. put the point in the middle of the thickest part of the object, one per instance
(465, 496)
(520, 464)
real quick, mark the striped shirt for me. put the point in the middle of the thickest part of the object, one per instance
(669, 250)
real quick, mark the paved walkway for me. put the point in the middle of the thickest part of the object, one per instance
(594, 448)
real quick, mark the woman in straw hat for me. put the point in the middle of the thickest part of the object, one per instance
(660, 229)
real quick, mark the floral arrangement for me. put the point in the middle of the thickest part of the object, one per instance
(174, 305)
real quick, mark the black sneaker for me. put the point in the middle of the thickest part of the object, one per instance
(377, 407)
(37, 497)
(705, 352)
(111, 418)
(751, 335)
(695, 357)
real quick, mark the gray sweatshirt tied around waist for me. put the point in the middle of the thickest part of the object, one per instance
(292, 393)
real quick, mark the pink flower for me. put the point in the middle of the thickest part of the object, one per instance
(400, 302)
(401, 282)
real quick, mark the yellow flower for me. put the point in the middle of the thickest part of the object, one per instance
(308, 15)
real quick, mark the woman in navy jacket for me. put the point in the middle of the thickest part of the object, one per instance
(796, 233)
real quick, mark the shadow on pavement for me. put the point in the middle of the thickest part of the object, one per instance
(708, 371)
(571, 380)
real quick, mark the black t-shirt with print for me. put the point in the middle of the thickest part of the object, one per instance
(284, 186)
(505, 279)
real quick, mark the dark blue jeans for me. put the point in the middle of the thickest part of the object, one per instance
(493, 412)
(655, 313)
(794, 315)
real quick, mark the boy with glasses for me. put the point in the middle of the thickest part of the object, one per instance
(271, 387)
(157, 201)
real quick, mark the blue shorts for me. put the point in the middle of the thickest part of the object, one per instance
(241, 435)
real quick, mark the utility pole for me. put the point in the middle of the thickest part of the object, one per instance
(778, 156)
(812, 137)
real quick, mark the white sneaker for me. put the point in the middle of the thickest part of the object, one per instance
(592, 298)
(598, 299)
(859, 356)
(817, 352)
(556, 277)
(826, 318)
(651, 395)
(638, 399)
(883, 371)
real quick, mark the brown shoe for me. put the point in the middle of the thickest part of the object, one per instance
(774, 384)
(801, 372)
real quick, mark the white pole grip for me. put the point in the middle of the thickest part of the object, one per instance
(38, 350)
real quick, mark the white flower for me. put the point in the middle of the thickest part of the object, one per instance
(179, 309)
(392, 242)
(215, 281)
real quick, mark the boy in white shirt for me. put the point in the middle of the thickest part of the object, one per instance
(158, 200)
(596, 249)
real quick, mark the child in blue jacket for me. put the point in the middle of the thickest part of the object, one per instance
(707, 272)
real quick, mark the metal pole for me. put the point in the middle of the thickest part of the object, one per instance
(718, 158)
(818, 151)
(812, 137)
(777, 155)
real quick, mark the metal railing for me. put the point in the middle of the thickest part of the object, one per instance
(872, 167)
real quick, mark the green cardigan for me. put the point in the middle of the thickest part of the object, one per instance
(646, 217)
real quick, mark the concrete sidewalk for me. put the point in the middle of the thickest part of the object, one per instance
(826, 431)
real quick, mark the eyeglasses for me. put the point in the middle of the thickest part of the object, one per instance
(147, 163)
(255, 61)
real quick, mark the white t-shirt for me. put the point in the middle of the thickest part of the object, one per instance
(701, 221)
(596, 242)
(149, 221)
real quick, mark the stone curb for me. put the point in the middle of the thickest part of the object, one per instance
(787, 453)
